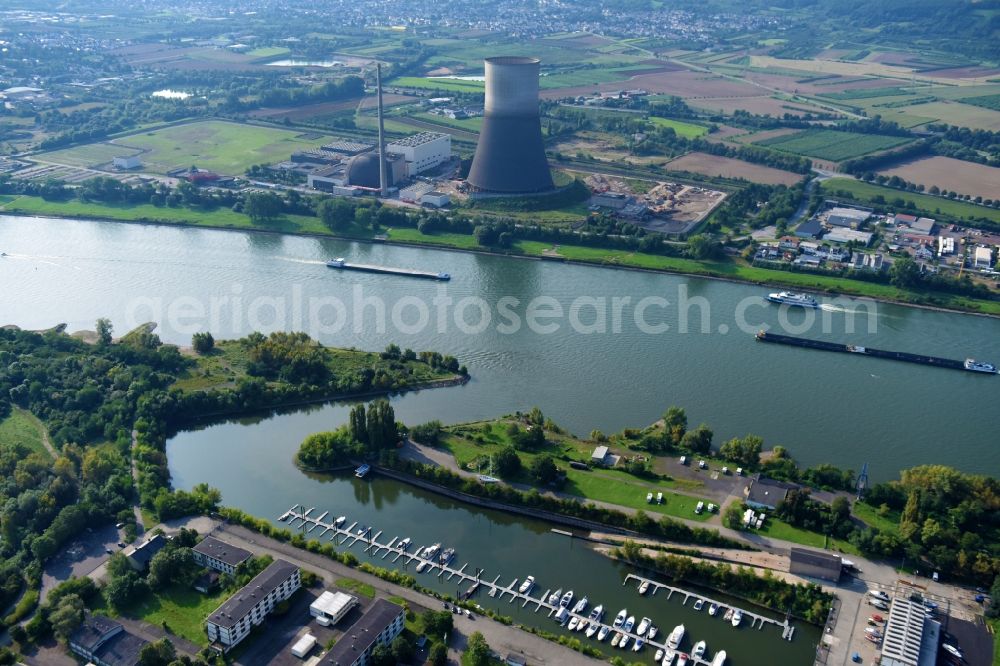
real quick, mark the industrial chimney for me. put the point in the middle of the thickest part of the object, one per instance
(510, 156)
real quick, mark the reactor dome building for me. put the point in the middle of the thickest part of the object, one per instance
(510, 157)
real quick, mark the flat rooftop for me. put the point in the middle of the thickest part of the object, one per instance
(362, 635)
(222, 551)
(417, 139)
(237, 606)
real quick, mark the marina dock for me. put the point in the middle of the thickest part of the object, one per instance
(299, 518)
(344, 265)
(823, 345)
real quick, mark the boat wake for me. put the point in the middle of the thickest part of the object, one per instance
(40, 259)
(300, 260)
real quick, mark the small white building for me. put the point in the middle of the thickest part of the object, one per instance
(126, 162)
(304, 645)
(436, 199)
(422, 151)
(331, 607)
(599, 456)
(983, 257)
(946, 245)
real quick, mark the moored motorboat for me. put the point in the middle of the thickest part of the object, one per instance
(699, 649)
(644, 587)
(629, 623)
(404, 545)
(623, 643)
(639, 643)
(592, 629)
(651, 634)
(737, 617)
(567, 599)
(421, 566)
(682, 660)
(555, 596)
(340, 521)
(582, 624)
(597, 613)
(643, 626)
(698, 605)
(658, 657)
(713, 609)
(676, 636)
(581, 606)
(572, 623)
(719, 659)
(616, 639)
(431, 551)
(603, 632)
(447, 556)
(561, 616)
(668, 657)
(728, 615)
(526, 586)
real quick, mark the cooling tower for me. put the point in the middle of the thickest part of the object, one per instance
(510, 156)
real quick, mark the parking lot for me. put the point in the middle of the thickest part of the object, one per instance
(81, 556)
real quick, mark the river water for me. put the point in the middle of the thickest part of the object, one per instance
(693, 348)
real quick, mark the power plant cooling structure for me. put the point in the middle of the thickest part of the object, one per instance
(510, 156)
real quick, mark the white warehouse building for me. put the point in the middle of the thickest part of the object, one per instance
(422, 151)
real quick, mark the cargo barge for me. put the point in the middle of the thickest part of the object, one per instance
(344, 265)
(969, 365)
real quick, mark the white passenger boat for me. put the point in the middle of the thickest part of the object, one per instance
(651, 634)
(581, 606)
(593, 629)
(567, 599)
(658, 657)
(675, 637)
(597, 613)
(623, 643)
(720, 658)
(629, 623)
(572, 623)
(603, 632)
(737, 617)
(668, 657)
(643, 626)
(713, 609)
(793, 298)
(431, 551)
(699, 649)
(972, 365)
(644, 587)
(526, 586)
(620, 618)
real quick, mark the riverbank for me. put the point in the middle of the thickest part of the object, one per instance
(732, 271)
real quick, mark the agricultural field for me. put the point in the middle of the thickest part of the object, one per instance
(985, 101)
(269, 52)
(950, 174)
(89, 156)
(726, 167)
(832, 145)
(224, 147)
(964, 115)
(447, 84)
(683, 129)
(934, 206)
(763, 105)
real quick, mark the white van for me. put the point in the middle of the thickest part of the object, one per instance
(700, 507)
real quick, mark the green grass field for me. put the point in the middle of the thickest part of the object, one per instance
(468, 124)
(865, 93)
(224, 147)
(182, 608)
(985, 101)
(832, 144)
(268, 52)
(777, 529)
(685, 130)
(356, 586)
(22, 427)
(425, 83)
(90, 155)
(930, 204)
(871, 517)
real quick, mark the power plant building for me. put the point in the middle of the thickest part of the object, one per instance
(510, 157)
(422, 151)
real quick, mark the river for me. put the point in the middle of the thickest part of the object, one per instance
(823, 407)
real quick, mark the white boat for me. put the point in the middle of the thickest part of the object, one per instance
(567, 599)
(793, 298)
(658, 657)
(713, 609)
(554, 597)
(561, 615)
(597, 613)
(572, 623)
(973, 365)
(616, 639)
(668, 657)
(698, 605)
(623, 643)
(629, 623)
(582, 624)
(340, 521)
(620, 618)
(675, 637)
(639, 643)
(682, 660)
(404, 544)
(431, 551)
(737, 617)
(643, 626)
(526, 586)
(422, 566)
(651, 634)
(719, 659)
(699, 649)
(593, 629)
(603, 632)
(644, 587)
(581, 606)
